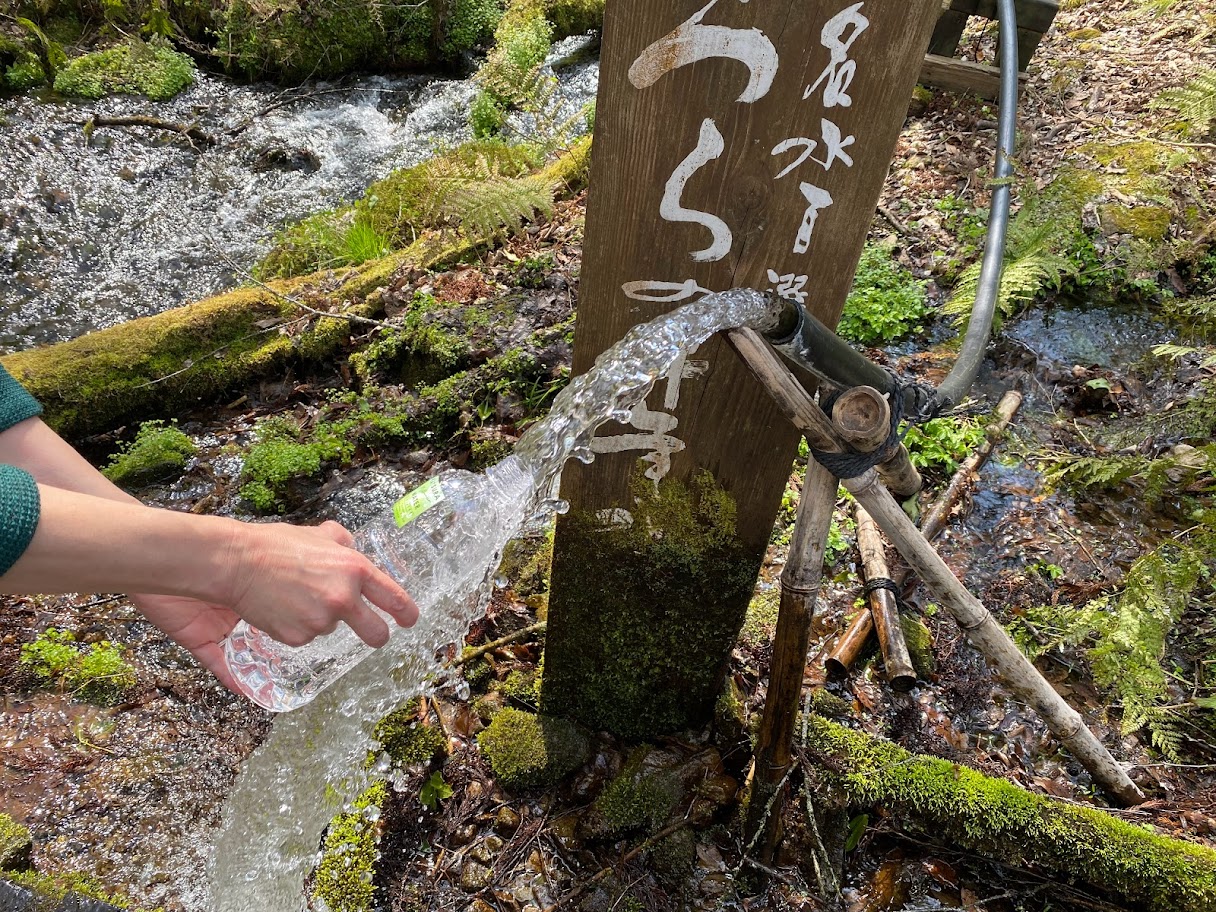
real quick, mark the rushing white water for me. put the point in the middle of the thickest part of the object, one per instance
(130, 221)
(313, 763)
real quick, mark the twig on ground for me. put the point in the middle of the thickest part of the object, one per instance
(477, 653)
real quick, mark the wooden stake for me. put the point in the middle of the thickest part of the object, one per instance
(980, 626)
(853, 640)
(883, 605)
(799, 586)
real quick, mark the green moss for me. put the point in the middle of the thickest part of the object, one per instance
(730, 716)
(761, 621)
(16, 845)
(528, 564)
(1084, 34)
(478, 674)
(343, 879)
(51, 890)
(94, 672)
(421, 351)
(920, 645)
(23, 73)
(157, 452)
(825, 703)
(532, 751)
(673, 858)
(649, 611)
(574, 17)
(408, 740)
(174, 360)
(640, 798)
(488, 451)
(1145, 223)
(522, 686)
(993, 817)
(135, 67)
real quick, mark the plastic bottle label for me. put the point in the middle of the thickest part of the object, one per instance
(417, 502)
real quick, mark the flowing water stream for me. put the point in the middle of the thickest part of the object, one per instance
(313, 763)
(131, 221)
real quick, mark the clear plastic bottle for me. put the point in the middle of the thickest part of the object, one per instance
(441, 539)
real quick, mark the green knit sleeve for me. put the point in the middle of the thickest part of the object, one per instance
(19, 509)
(15, 403)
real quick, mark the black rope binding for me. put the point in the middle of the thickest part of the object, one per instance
(852, 463)
(881, 582)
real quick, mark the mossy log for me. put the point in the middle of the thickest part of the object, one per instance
(159, 365)
(949, 803)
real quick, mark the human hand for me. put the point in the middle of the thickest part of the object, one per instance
(199, 627)
(296, 583)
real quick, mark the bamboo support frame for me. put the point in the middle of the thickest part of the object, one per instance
(981, 628)
(853, 640)
(884, 607)
(862, 418)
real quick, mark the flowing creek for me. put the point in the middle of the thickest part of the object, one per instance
(96, 231)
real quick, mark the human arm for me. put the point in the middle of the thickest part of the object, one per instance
(201, 572)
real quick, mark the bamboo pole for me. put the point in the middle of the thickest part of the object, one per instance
(853, 640)
(800, 582)
(979, 625)
(883, 605)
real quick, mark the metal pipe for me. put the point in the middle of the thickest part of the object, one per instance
(811, 345)
(979, 329)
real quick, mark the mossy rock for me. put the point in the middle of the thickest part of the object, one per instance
(527, 750)
(1145, 223)
(640, 798)
(649, 610)
(158, 452)
(407, 740)
(134, 67)
(16, 845)
(58, 891)
(344, 877)
(574, 17)
(291, 40)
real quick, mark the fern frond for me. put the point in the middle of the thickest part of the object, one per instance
(1195, 102)
(478, 197)
(1031, 268)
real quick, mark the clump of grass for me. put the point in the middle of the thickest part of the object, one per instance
(96, 672)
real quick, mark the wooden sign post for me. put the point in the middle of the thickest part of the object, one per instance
(739, 143)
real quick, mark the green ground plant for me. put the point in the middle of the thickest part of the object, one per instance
(1124, 636)
(95, 672)
(150, 68)
(1194, 102)
(886, 304)
(158, 451)
(938, 446)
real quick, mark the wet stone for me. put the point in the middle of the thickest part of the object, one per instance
(474, 877)
(485, 850)
(480, 905)
(563, 831)
(507, 821)
(462, 836)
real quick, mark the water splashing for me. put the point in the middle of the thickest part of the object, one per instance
(313, 763)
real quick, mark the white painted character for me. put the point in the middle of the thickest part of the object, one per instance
(710, 146)
(694, 41)
(838, 75)
(818, 198)
(789, 286)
